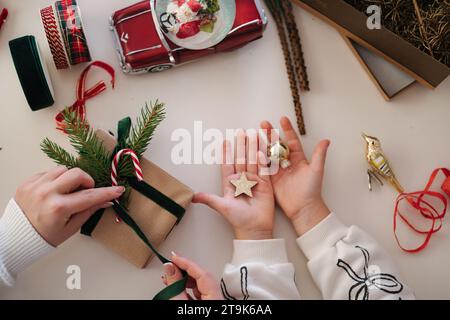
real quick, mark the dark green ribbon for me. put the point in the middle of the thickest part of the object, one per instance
(158, 197)
(123, 131)
(175, 288)
(29, 68)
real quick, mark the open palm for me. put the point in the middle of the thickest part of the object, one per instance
(250, 217)
(298, 187)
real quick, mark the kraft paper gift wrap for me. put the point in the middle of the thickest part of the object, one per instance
(155, 221)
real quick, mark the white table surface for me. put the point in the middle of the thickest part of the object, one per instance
(234, 90)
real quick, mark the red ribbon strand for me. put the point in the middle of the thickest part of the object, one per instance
(426, 209)
(83, 95)
(3, 16)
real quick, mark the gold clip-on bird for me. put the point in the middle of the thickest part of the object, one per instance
(379, 165)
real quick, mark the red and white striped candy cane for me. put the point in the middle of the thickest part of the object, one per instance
(115, 165)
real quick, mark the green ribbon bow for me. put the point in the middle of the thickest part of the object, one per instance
(123, 131)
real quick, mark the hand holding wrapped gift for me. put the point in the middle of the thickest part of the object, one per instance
(58, 202)
(149, 209)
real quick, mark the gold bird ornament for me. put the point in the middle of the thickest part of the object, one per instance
(379, 165)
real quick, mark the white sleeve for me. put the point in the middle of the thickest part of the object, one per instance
(259, 270)
(346, 263)
(20, 243)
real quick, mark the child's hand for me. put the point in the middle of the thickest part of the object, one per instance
(59, 202)
(202, 283)
(298, 189)
(251, 218)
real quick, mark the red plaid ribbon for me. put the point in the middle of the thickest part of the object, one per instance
(79, 105)
(73, 33)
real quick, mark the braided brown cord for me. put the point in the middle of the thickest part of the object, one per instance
(278, 17)
(296, 45)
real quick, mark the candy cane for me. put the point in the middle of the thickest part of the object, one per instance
(115, 165)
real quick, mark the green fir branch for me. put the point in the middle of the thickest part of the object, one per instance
(145, 126)
(93, 158)
(141, 134)
(58, 154)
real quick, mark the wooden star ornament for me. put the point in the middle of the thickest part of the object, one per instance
(243, 185)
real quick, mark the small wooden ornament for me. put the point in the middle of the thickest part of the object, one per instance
(243, 185)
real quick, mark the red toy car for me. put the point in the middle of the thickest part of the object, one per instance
(142, 47)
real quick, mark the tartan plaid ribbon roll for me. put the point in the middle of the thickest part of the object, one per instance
(54, 38)
(72, 31)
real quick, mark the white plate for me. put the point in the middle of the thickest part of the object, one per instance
(202, 40)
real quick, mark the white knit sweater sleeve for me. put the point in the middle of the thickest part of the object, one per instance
(346, 263)
(259, 270)
(20, 243)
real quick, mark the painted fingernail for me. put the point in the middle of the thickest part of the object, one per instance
(120, 189)
(106, 205)
(169, 269)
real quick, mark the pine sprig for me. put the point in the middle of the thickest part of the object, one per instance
(141, 134)
(145, 126)
(58, 154)
(93, 158)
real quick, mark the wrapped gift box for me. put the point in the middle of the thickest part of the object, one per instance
(155, 221)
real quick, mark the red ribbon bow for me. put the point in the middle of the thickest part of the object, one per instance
(426, 209)
(83, 95)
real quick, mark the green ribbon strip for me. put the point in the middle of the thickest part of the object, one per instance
(158, 197)
(123, 131)
(171, 290)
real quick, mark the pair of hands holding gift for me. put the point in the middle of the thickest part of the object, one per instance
(296, 189)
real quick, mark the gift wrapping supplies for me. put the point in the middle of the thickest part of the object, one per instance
(65, 35)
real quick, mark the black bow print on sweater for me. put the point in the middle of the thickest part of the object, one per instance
(244, 283)
(382, 281)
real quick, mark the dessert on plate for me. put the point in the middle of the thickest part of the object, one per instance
(187, 18)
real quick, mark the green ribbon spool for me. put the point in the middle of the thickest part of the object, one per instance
(123, 131)
(32, 72)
